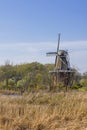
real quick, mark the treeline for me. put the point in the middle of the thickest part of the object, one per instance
(25, 76)
(33, 76)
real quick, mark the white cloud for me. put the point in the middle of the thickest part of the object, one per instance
(29, 52)
(79, 59)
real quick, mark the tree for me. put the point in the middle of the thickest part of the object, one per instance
(7, 71)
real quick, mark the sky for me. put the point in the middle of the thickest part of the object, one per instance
(29, 29)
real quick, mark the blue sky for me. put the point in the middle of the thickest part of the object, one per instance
(29, 29)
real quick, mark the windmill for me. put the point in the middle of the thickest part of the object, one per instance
(62, 71)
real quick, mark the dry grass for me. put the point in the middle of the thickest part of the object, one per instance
(44, 111)
(9, 92)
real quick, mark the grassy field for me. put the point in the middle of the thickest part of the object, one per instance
(44, 111)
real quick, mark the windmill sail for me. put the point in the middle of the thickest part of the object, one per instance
(56, 60)
(51, 53)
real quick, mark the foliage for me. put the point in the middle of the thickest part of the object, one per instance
(83, 89)
(83, 82)
(33, 76)
(76, 85)
(2, 85)
(24, 76)
(11, 82)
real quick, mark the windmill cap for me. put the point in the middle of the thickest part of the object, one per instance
(62, 52)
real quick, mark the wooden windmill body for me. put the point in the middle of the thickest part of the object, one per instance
(62, 72)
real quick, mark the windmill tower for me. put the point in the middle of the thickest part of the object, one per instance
(62, 71)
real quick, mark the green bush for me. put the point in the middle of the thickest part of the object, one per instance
(83, 82)
(83, 89)
(11, 82)
(76, 85)
(20, 83)
(3, 85)
(40, 87)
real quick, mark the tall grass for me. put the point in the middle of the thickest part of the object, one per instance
(44, 111)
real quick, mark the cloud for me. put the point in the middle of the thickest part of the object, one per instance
(78, 59)
(29, 52)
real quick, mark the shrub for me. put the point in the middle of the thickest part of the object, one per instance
(83, 82)
(3, 85)
(40, 87)
(11, 82)
(83, 89)
(76, 85)
(20, 84)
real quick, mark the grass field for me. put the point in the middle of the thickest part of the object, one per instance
(44, 111)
